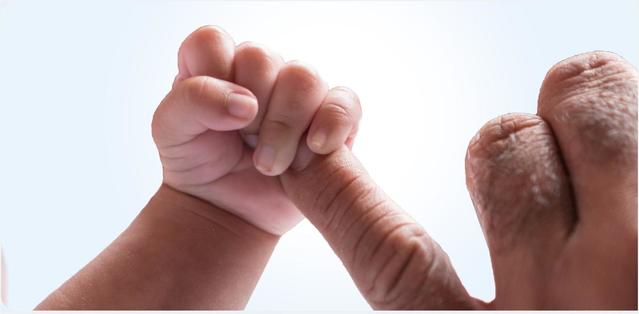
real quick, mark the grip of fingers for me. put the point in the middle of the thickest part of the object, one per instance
(336, 121)
(198, 104)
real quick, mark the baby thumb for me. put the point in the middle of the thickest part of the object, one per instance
(393, 261)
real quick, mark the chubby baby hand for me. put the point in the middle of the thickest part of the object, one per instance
(234, 121)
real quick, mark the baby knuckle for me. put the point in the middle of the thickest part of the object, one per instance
(300, 77)
(193, 89)
(251, 51)
(337, 114)
(350, 102)
(211, 33)
(345, 97)
(255, 56)
(278, 123)
(204, 34)
(294, 109)
(345, 91)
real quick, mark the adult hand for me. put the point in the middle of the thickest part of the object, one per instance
(555, 193)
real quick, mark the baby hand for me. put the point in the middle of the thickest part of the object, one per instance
(228, 100)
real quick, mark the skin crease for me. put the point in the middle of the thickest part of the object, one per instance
(184, 251)
(555, 193)
(179, 253)
(288, 96)
(203, 240)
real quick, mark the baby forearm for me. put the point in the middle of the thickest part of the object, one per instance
(179, 253)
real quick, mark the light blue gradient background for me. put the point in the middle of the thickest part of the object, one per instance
(79, 83)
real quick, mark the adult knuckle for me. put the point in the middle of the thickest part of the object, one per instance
(392, 286)
(516, 153)
(354, 197)
(339, 185)
(402, 239)
(588, 67)
(499, 134)
(595, 74)
(595, 93)
(337, 188)
(494, 159)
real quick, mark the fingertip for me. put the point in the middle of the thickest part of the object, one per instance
(264, 159)
(328, 134)
(209, 51)
(336, 121)
(303, 76)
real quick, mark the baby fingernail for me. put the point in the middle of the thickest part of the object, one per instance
(265, 158)
(318, 139)
(241, 106)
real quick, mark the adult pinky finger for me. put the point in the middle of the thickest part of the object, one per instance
(336, 121)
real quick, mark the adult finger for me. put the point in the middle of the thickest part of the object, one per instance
(523, 198)
(393, 261)
(590, 101)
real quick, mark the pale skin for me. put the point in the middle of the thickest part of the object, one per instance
(555, 193)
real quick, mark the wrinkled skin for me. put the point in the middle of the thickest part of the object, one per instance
(555, 193)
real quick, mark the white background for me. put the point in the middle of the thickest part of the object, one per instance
(79, 83)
